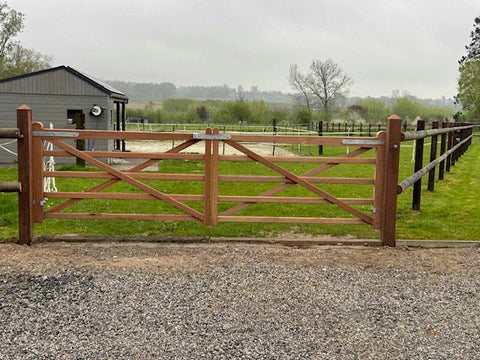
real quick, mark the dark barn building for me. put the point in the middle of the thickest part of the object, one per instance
(55, 96)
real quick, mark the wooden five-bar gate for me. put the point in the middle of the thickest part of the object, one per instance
(381, 213)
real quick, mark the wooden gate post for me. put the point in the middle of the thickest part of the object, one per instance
(25, 196)
(390, 183)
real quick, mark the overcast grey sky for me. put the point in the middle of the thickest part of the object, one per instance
(383, 45)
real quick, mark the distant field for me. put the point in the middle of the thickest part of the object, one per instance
(140, 104)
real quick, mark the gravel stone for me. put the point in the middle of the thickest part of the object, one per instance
(112, 301)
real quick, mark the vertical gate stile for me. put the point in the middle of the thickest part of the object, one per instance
(208, 179)
(379, 183)
(25, 216)
(392, 157)
(37, 174)
(214, 179)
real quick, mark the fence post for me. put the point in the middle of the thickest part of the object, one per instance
(417, 186)
(123, 125)
(274, 133)
(25, 196)
(433, 156)
(449, 146)
(320, 133)
(455, 141)
(390, 185)
(443, 146)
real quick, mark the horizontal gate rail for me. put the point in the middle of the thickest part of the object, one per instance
(309, 159)
(291, 220)
(110, 216)
(198, 177)
(284, 179)
(302, 140)
(127, 155)
(139, 135)
(118, 196)
(135, 175)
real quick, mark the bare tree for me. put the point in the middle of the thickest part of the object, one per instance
(326, 80)
(298, 82)
(324, 83)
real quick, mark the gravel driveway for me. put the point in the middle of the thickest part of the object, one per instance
(234, 301)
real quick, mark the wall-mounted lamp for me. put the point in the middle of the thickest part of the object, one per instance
(96, 111)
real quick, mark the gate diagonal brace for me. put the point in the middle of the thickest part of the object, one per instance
(300, 181)
(280, 188)
(111, 182)
(118, 174)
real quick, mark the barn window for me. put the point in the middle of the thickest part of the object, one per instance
(71, 114)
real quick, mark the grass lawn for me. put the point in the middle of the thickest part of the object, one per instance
(450, 212)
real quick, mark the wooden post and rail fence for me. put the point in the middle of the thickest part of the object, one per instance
(383, 201)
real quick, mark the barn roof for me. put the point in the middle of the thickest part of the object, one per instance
(99, 84)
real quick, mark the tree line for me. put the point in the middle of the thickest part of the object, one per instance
(367, 110)
(166, 90)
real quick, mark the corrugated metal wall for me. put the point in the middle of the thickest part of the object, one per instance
(53, 109)
(50, 94)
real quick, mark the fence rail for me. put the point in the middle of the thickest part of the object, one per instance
(454, 141)
(10, 186)
(405, 184)
(421, 134)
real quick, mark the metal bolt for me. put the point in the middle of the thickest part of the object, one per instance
(395, 147)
